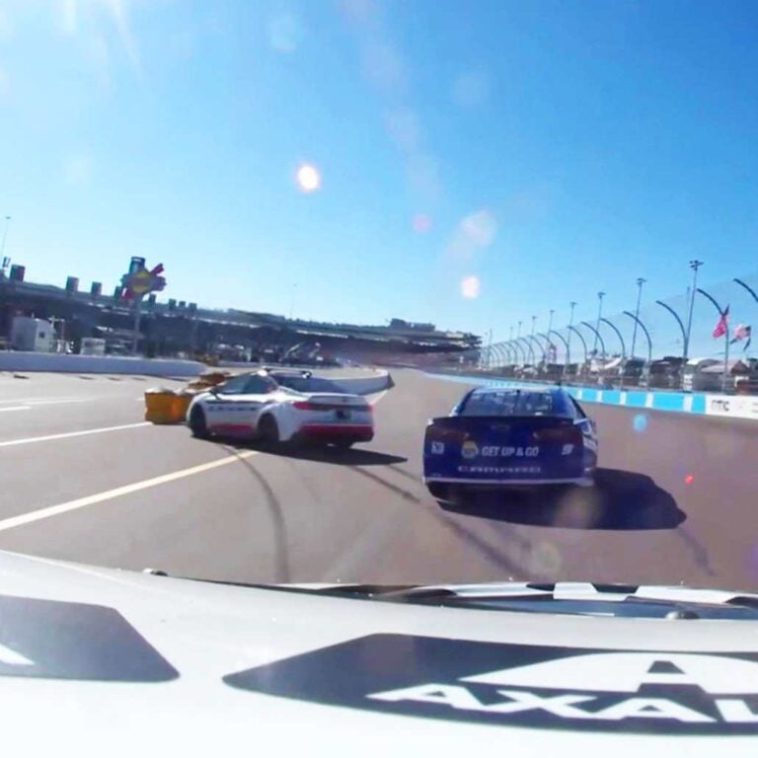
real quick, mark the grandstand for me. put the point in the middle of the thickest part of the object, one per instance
(175, 327)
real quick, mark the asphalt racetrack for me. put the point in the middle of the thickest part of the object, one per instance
(83, 477)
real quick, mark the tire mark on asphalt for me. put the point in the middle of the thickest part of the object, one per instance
(461, 532)
(301, 473)
(279, 526)
(405, 494)
(409, 475)
(492, 553)
(699, 552)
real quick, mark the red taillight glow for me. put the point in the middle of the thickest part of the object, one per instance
(564, 434)
(440, 434)
(304, 405)
(307, 405)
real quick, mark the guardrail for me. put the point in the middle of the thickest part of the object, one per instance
(730, 406)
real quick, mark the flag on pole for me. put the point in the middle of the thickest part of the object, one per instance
(722, 327)
(742, 332)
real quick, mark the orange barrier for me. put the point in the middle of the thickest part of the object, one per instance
(164, 406)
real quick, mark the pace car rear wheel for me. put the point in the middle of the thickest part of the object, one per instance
(268, 430)
(198, 424)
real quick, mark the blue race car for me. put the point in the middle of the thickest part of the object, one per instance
(503, 437)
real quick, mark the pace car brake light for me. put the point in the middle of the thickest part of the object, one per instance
(307, 405)
(304, 405)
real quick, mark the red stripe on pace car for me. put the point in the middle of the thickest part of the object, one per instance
(336, 429)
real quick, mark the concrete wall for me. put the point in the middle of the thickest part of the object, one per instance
(359, 381)
(96, 364)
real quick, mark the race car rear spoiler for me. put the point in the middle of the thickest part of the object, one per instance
(553, 428)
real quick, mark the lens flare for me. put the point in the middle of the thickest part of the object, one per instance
(284, 33)
(689, 479)
(308, 178)
(545, 559)
(421, 223)
(470, 286)
(470, 89)
(639, 423)
(480, 228)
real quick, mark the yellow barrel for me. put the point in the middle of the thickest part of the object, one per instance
(180, 405)
(162, 406)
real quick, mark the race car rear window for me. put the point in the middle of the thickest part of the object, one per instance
(516, 403)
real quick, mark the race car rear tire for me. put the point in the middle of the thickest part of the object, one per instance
(268, 430)
(198, 424)
(439, 490)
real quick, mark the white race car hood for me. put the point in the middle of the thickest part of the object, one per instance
(111, 662)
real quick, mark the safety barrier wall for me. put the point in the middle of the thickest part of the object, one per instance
(729, 406)
(371, 380)
(357, 380)
(97, 364)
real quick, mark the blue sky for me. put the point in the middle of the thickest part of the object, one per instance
(480, 162)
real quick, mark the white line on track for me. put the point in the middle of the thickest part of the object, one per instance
(375, 400)
(66, 435)
(33, 401)
(16, 408)
(64, 401)
(100, 497)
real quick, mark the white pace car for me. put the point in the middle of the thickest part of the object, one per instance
(282, 406)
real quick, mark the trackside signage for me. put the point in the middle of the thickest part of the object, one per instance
(736, 406)
(661, 692)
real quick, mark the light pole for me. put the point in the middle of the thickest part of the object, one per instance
(531, 339)
(518, 331)
(5, 237)
(552, 354)
(694, 265)
(600, 296)
(640, 282)
(571, 324)
(292, 299)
